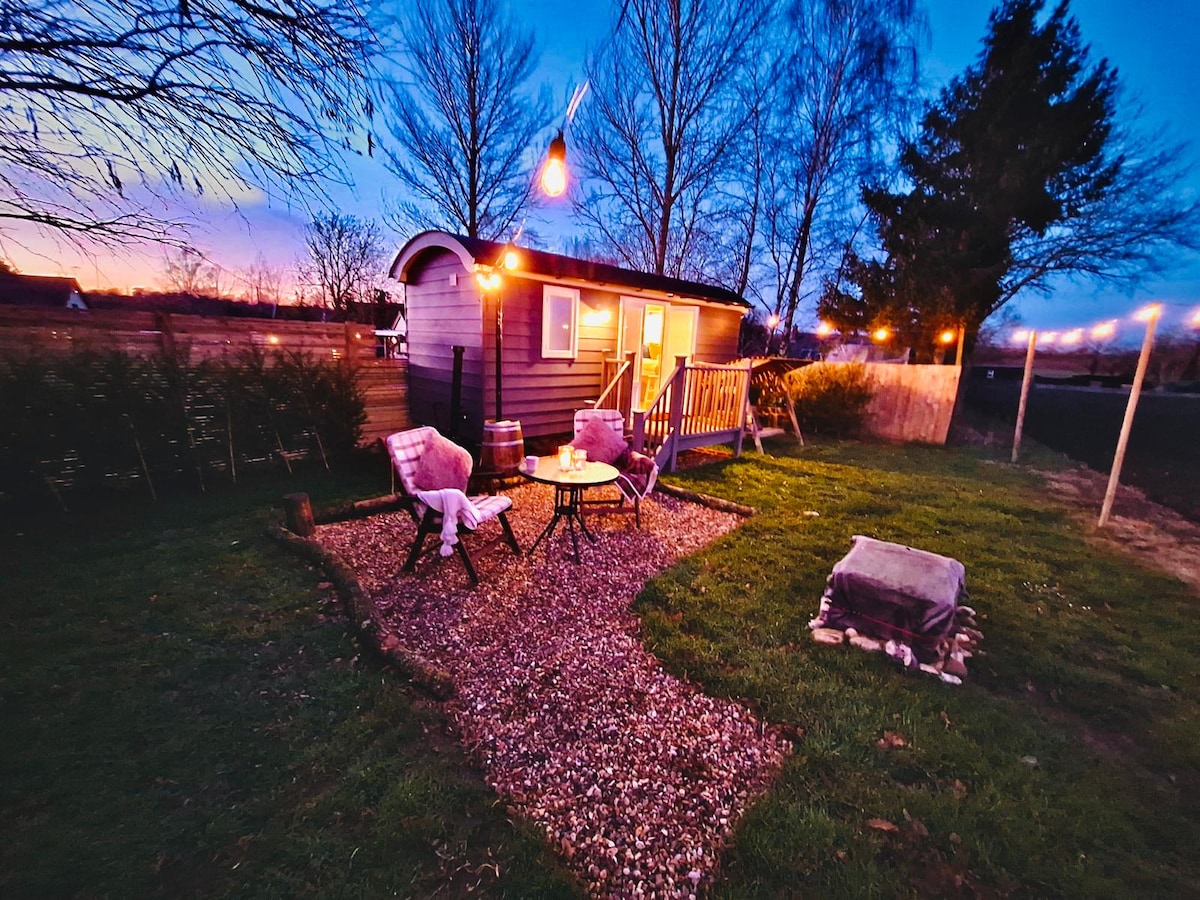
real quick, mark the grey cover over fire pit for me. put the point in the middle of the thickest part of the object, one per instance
(894, 592)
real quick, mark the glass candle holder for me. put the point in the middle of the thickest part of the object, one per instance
(579, 458)
(565, 458)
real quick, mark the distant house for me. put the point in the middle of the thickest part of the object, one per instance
(41, 290)
(562, 319)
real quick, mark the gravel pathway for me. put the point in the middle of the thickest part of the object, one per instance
(636, 777)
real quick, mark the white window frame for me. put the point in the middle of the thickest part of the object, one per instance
(552, 295)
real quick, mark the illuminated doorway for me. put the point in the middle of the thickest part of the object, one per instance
(657, 332)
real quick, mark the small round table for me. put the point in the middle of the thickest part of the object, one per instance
(568, 493)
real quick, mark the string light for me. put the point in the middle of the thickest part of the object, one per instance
(880, 334)
(1103, 331)
(824, 329)
(946, 337)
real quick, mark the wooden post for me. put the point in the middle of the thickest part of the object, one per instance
(499, 355)
(1025, 382)
(791, 408)
(962, 337)
(456, 390)
(1126, 426)
(675, 423)
(299, 514)
(745, 403)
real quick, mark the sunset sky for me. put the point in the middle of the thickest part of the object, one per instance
(1153, 44)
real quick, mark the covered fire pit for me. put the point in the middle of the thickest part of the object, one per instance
(906, 602)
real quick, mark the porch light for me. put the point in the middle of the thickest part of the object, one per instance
(946, 337)
(554, 172)
(512, 259)
(881, 334)
(489, 281)
(594, 317)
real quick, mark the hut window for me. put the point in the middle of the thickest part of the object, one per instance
(560, 322)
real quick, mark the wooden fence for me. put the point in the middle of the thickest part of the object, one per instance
(38, 331)
(911, 403)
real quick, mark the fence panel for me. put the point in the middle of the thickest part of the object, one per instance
(37, 331)
(911, 403)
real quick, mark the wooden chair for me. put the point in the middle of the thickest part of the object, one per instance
(406, 449)
(628, 484)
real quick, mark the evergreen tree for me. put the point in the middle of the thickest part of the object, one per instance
(1014, 178)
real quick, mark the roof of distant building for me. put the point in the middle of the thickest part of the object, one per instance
(41, 290)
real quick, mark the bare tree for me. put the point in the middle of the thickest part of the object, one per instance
(657, 132)
(344, 260)
(263, 282)
(848, 71)
(109, 107)
(187, 271)
(462, 119)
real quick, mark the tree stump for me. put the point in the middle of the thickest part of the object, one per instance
(299, 514)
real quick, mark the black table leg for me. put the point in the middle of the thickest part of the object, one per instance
(567, 505)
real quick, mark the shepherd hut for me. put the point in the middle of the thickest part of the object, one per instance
(501, 332)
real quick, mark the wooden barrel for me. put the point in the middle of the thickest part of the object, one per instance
(503, 446)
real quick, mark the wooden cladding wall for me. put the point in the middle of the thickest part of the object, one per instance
(544, 393)
(911, 403)
(28, 331)
(444, 311)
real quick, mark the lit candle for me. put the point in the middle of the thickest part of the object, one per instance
(565, 453)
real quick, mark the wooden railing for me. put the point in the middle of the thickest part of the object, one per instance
(618, 381)
(698, 406)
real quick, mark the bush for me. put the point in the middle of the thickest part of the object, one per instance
(830, 398)
(92, 421)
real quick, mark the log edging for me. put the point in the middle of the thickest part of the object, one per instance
(366, 627)
(708, 500)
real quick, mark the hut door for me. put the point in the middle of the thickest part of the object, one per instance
(656, 332)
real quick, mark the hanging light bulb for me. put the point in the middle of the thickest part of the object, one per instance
(554, 172)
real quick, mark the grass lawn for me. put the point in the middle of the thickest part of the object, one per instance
(1067, 766)
(184, 714)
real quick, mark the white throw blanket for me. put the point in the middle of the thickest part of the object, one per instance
(456, 509)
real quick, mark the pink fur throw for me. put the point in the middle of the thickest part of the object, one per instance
(600, 441)
(444, 464)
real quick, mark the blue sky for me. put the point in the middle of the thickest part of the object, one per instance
(1153, 43)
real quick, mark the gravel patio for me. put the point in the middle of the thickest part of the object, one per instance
(636, 777)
